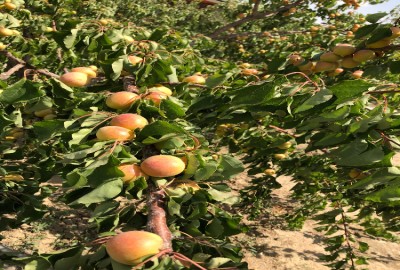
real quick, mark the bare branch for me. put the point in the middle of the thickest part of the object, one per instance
(11, 71)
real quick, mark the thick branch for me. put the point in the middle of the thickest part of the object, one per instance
(157, 218)
(256, 34)
(252, 17)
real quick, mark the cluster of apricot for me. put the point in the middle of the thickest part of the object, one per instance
(79, 76)
(342, 56)
(7, 4)
(353, 3)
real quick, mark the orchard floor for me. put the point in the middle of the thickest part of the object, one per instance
(274, 248)
(267, 246)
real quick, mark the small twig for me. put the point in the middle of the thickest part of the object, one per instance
(347, 235)
(158, 255)
(11, 71)
(283, 131)
(307, 78)
(183, 257)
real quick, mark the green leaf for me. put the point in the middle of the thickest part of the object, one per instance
(379, 35)
(22, 90)
(224, 197)
(172, 108)
(102, 193)
(117, 67)
(374, 18)
(69, 41)
(159, 128)
(365, 30)
(253, 95)
(38, 264)
(319, 98)
(230, 166)
(217, 79)
(206, 171)
(45, 130)
(380, 177)
(217, 262)
(80, 136)
(366, 158)
(390, 195)
(362, 246)
(349, 89)
(214, 228)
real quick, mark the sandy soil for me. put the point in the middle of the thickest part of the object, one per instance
(278, 249)
(267, 246)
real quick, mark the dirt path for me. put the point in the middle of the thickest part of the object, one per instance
(279, 249)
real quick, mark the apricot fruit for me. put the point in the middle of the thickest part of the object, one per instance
(134, 60)
(114, 133)
(50, 116)
(88, 71)
(270, 172)
(348, 62)
(5, 32)
(357, 74)
(130, 121)
(131, 172)
(329, 57)
(195, 79)
(132, 247)
(156, 97)
(285, 145)
(121, 100)
(160, 88)
(325, 66)
(379, 44)
(280, 156)
(249, 71)
(10, 6)
(2, 46)
(344, 49)
(75, 79)
(395, 32)
(363, 55)
(162, 166)
(295, 59)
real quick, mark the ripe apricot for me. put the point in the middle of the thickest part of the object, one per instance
(162, 166)
(134, 60)
(10, 6)
(379, 44)
(88, 71)
(75, 79)
(325, 66)
(295, 59)
(395, 32)
(363, 55)
(344, 49)
(132, 247)
(121, 100)
(285, 145)
(195, 79)
(357, 74)
(160, 88)
(270, 172)
(130, 121)
(348, 62)
(329, 57)
(5, 32)
(249, 71)
(156, 97)
(131, 172)
(114, 133)
(280, 156)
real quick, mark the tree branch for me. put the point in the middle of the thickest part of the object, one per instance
(256, 6)
(252, 17)
(22, 64)
(11, 71)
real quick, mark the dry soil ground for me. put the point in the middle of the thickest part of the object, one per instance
(267, 246)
